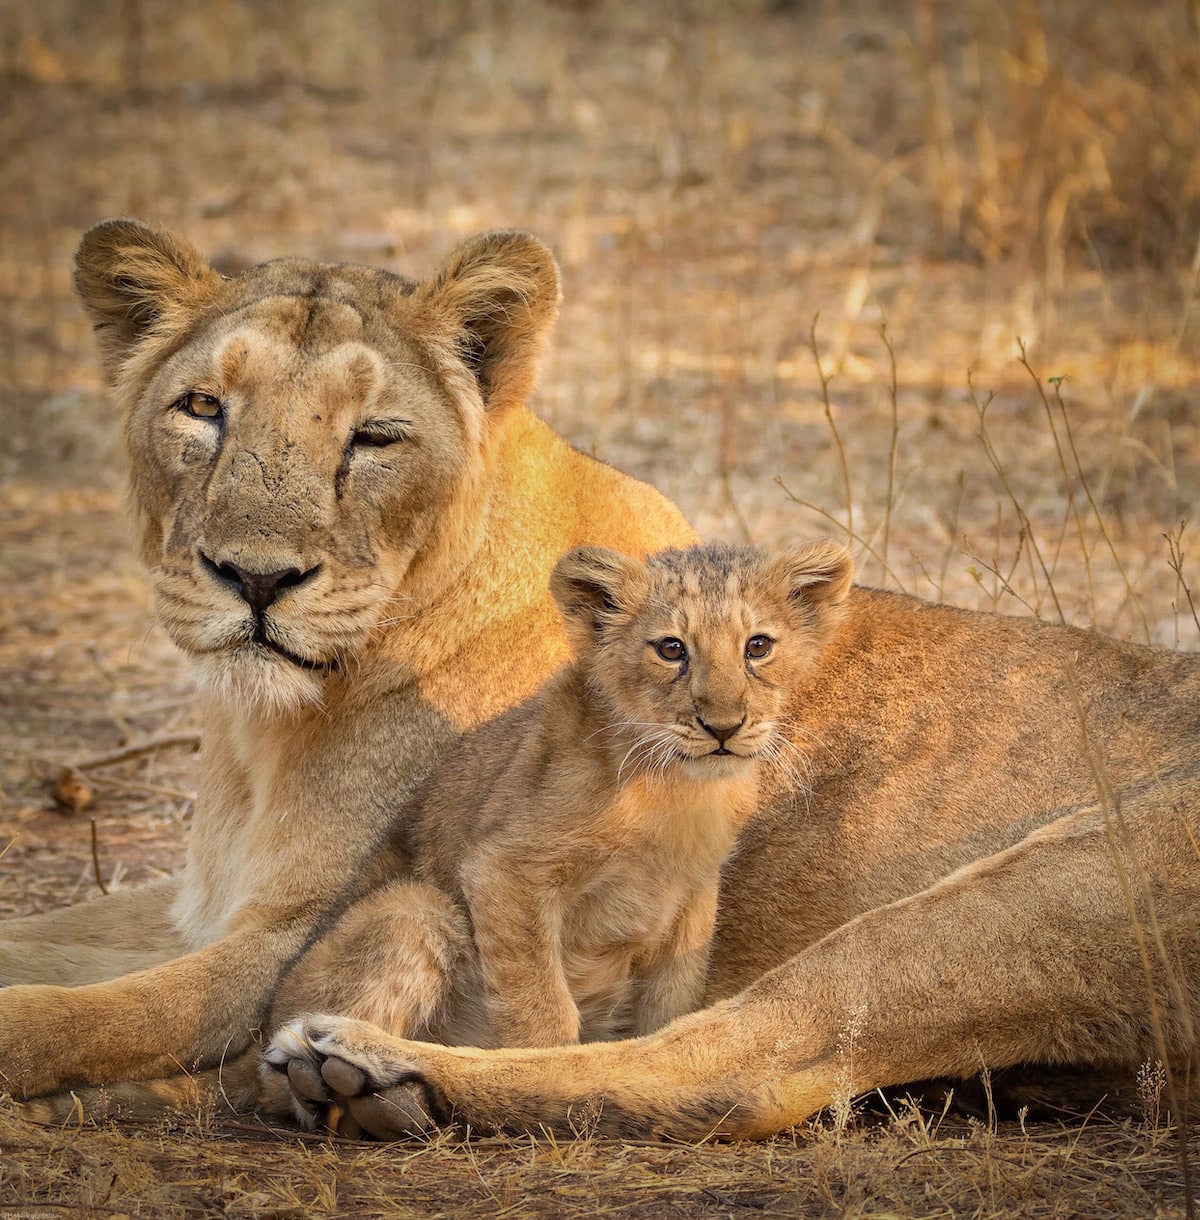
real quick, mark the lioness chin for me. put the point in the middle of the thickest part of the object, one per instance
(350, 518)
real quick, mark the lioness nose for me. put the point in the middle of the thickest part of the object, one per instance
(722, 732)
(257, 589)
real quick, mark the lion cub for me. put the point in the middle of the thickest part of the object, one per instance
(580, 836)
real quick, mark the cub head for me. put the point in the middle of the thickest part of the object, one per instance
(695, 653)
(306, 442)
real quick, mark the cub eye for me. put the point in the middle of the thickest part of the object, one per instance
(759, 646)
(380, 433)
(671, 649)
(200, 405)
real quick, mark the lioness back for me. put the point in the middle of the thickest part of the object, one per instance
(583, 832)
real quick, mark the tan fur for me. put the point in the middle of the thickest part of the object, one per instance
(567, 853)
(991, 859)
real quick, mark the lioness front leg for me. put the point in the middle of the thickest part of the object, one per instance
(186, 1013)
(1032, 955)
(395, 958)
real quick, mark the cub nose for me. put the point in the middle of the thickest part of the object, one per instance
(722, 732)
(257, 589)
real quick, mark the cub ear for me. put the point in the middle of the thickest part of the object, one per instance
(593, 584)
(499, 293)
(817, 576)
(133, 278)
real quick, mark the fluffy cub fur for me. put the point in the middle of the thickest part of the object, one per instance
(580, 836)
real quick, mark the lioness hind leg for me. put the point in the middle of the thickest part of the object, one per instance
(1032, 955)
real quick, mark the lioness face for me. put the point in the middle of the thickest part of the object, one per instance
(306, 443)
(698, 653)
(292, 471)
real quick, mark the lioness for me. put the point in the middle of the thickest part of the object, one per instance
(350, 518)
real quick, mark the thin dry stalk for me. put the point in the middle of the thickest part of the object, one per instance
(96, 861)
(837, 439)
(1080, 479)
(1002, 582)
(153, 746)
(893, 444)
(1068, 481)
(1026, 525)
(952, 532)
(1175, 563)
(858, 539)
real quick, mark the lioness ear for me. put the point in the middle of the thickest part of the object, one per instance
(817, 576)
(593, 584)
(133, 278)
(499, 293)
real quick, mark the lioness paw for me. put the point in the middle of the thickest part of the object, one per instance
(336, 1073)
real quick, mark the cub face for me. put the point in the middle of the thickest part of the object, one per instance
(306, 442)
(696, 652)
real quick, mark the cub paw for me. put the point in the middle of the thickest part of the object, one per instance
(336, 1074)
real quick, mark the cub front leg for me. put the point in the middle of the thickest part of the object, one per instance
(518, 935)
(672, 982)
(394, 958)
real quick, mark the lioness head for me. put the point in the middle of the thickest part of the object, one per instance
(696, 653)
(306, 442)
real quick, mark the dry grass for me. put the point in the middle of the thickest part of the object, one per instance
(910, 1166)
(800, 244)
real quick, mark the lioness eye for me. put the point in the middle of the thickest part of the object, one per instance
(202, 406)
(379, 433)
(671, 649)
(759, 646)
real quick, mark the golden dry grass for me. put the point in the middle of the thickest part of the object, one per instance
(800, 242)
(910, 1166)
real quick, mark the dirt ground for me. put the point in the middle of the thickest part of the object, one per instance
(804, 245)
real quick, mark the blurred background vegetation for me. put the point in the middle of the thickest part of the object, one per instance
(713, 176)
